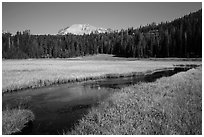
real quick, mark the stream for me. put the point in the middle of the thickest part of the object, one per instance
(58, 108)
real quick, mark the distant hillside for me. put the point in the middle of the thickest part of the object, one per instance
(80, 29)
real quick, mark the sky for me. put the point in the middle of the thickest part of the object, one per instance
(50, 17)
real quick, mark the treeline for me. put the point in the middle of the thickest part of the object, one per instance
(179, 38)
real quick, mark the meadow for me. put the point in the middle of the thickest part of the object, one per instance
(32, 73)
(169, 106)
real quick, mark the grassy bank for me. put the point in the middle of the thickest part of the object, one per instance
(171, 105)
(14, 120)
(31, 73)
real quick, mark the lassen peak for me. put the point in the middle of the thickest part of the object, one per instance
(80, 29)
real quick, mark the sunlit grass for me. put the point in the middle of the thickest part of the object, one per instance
(31, 73)
(171, 105)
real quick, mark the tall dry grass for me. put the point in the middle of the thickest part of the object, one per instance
(21, 74)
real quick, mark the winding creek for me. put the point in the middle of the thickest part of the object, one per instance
(57, 108)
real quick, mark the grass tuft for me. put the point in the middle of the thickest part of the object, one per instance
(14, 120)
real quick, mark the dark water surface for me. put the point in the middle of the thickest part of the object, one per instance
(58, 108)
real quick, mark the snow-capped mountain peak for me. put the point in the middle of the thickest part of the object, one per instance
(80, 29)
